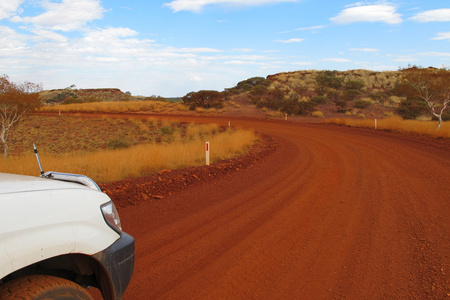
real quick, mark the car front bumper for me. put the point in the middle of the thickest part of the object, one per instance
(118, 264)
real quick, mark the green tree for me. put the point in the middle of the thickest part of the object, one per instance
(249, 84)
(16, 99)
(205, 99)
(432, 86)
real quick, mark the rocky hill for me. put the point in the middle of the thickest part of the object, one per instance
(68, 95)
(354, 93)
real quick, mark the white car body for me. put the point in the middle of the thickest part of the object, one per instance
(42, 219)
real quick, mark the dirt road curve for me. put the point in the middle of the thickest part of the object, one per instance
(334, 213)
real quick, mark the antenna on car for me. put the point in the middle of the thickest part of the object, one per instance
(38, 159)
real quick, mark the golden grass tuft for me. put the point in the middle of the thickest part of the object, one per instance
(317, 114)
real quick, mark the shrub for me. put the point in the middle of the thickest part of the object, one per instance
(117, 144)
(350, 95)
(354, 85)
(319, 99)
(362, 104)
(341, 104)
(378, 96)
(328, 79)
(410, 109)
(167, 130)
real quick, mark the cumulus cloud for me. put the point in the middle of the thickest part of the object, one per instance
(294, 40)
(384, 13)
(9, 7)
(113, 42)
(435, 15)
(67, 15)
(197, 5)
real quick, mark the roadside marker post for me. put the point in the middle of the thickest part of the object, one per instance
(207, 153)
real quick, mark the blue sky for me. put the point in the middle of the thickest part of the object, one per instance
(170, 48)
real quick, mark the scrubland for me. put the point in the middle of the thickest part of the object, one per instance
(108, 149)
(118, 107)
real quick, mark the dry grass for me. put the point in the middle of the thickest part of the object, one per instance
(317, 114)
(169, 146)
(397, 124)
(116, 107)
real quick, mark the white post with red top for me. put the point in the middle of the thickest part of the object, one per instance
(207, 153)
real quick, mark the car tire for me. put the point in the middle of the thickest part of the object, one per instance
(39, 287)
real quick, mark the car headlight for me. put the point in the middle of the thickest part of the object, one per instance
(111, 216)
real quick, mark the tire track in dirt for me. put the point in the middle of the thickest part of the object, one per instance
(334, 213)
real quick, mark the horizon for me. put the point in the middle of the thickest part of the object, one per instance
(170, 48)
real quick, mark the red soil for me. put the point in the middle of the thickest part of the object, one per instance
(314, 212)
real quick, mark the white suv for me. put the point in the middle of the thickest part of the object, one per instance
(59, 234)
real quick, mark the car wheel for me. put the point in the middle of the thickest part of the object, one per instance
(40, 287)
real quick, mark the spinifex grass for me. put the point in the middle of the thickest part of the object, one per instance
(115, 107)
(177, 146)
(397, 124)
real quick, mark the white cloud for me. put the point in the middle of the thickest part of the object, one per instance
(443, 36)
(435, 15)
(311, 28)
(9, 7)
(112, 42)
(364, 49)
(197, 5)
(294, 40)
(244, 50)
(239, 62)
(43, 34)
(11, 42)
(385, 13)
(337, 60)
(436, 54)
(197, 50)
(402, 58)
(67, 15)
(109, 33)
(302, 63)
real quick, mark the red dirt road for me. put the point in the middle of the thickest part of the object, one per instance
(333, 213)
